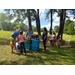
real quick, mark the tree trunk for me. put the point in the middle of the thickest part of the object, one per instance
(36, 15)
(51, 23)
(62, 21)
(29, 18)
(38, 21)
(64, 14)
(60, 28)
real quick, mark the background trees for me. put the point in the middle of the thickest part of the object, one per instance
(32, 14)
(56, 28)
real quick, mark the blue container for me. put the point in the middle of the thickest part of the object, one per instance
(27, 46)
(35, 42)
(35, 47)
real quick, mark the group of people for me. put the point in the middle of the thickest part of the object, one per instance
(52, 38)
(17, 36)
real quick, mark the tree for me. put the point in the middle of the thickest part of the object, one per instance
(34, 28)
(29, 18)
(70, 28)
(36, 15)
(67, 22)
(4, 21)
(22, 14)
(56, 28)
(50, 12)
(23, 27)
(63, 15)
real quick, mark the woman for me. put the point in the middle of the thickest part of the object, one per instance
(44, 37)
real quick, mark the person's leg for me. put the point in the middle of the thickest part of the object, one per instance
(24, 47)
(15, 45)
(21, 47)
(50, 43)
(44, 43)
(11, 49)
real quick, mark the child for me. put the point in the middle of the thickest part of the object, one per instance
(53, 39)
(11, 42)
(17, 46)
(21, 41)
(58, 41)
(50, 39)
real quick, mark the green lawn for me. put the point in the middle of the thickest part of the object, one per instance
(72, 41)
(53, 56)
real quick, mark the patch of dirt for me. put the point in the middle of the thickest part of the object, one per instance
(3, 47)
(67, 43)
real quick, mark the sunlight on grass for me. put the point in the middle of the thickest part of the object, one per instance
(72, 40)
(52, 56)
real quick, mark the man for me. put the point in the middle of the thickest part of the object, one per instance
(16, 34)
(16, 28)
(29, 33)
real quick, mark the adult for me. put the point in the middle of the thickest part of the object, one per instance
(16, 34)
(29, 33)
(16, 28)
(44, 37)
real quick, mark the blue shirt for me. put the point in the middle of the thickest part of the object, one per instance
(29, 33)
(16, 33)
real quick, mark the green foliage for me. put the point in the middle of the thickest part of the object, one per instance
(34, 28)
(71, 28)
(22, 26)
(20, 14)
(67, 22)
(41, 29)
(4, 21)
(56, 28)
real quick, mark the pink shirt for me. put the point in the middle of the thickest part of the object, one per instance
(58, 39)
(21, 37)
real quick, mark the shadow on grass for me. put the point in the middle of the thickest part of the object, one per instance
(72, 43)
(53, 56)
(4, 41)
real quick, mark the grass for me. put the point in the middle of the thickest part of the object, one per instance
(72, 41)
(65, 36)
(53, 55)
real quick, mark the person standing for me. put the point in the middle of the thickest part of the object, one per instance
(53, 39)
(22, 43)
(11, 42)
(50, 36)
(44, 37)
(28, 33)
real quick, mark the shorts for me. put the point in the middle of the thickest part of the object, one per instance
(53, 40)
(12, 45)
(58, 43)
